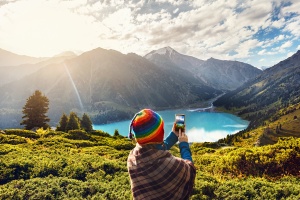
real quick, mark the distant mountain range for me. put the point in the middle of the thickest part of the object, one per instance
(112, 86)
(219, 74)
(10, 74)
(277, 87)
(10, 59)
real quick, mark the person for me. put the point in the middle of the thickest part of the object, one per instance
(154, 172)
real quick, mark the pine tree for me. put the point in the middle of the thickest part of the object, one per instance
(35, 109)
(62, 123)
(116, 133)
(73, 122)
(86, 123)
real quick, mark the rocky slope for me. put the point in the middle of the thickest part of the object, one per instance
(219, 74)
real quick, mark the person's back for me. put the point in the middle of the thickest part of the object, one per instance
(154, 172)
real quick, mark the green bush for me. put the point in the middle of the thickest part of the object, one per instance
(124, 144)
(11, 139)
(199, 149)
(277, 160)
(77, 135)
(54, 133)
(22, 133)
(100, 133)
(56, 167)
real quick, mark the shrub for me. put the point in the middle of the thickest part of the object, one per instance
(22, 133)
(11, 139)
(77, 135)
(120, 144)
(53, 133)
(100, 133)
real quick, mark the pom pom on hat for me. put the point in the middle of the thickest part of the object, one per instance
(148, 127)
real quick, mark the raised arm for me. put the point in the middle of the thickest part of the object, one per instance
(170, 140)
(184, 147)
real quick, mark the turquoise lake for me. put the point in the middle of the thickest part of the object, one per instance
(200, 126)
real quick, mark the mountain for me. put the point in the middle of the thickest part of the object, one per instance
(104, 83)
(226, 75)
(10, 59)
(259, 99)
(12, 73)
(167, 54)
(219, 74)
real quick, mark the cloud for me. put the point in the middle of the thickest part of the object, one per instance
(294, 7)
(3, 2)
(293, 26)
(201, 135)
(279, 38)
(290, 54)
(236, 126)
(278, 23)
(176, 10)
(286, 45)
(198, 28)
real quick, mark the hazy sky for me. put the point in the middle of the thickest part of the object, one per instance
(259, 32)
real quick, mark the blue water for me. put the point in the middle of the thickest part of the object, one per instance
(200, 126)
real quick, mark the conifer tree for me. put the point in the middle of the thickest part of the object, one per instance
(35, 109)
(62, 123)
(73, 122)
(116, 133)
(86, 123)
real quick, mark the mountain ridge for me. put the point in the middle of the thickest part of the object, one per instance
(8, 58)
(105, 82)
(221, 74)
(262, 97)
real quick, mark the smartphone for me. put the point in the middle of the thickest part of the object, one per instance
(179, 122)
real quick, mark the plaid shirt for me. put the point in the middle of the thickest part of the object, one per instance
(156, 174)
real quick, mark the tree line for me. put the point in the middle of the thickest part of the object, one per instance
(36, 108)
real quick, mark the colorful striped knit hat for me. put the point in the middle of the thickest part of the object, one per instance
(148, 127)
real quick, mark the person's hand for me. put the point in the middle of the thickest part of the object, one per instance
(182, 137)
(174, 130)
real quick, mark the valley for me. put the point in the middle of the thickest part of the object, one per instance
(109, 85)
(261, 163)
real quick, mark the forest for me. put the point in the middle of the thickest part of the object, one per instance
(77, 164)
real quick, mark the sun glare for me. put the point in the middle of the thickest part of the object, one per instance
(45, 29)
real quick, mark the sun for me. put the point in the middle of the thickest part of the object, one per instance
(46, 28)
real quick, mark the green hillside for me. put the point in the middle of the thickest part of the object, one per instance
(261, 98)
(284, 123)
(80, 165)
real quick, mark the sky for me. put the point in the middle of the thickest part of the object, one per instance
(258, 32)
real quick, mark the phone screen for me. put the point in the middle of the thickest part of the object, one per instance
(179, 121)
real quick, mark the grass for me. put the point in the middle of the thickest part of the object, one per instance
(289, 121)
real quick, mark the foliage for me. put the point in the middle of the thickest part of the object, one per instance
(62, 123)
(281, 124)
(11, 139)
(73, 122)
(100, 133)
(116, 133)
(86, 123)
(22, 133)
(61, 165)
(77, 135)
(35, 111)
